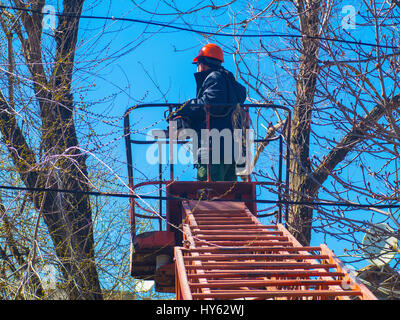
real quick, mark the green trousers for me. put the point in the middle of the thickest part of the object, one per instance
(219, 172)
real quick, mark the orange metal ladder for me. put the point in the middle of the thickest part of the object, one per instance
(229, 254)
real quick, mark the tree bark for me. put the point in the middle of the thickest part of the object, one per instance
(62, 166)
(300, 217)
(305, 183)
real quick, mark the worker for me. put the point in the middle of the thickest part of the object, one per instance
(217, 88)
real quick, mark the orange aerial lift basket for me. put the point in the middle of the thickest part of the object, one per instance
(214, 245)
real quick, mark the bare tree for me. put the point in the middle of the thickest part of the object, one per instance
(55, 162)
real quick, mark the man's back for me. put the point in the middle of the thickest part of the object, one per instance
(218, 88)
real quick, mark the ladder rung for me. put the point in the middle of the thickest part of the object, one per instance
(236, 227)
(264, 283)
(259, 265)
(236, 232)
(230, 222)
(274, 294)
(265, 273)
(241, 237)
(244, 243)
(289, 248)
(219, 214)
(256, 257)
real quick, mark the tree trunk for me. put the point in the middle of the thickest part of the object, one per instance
(305, 183)
(68, 216)
(300, 216)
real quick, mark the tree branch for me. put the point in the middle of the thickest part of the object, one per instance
(22, 155)
(355, 136)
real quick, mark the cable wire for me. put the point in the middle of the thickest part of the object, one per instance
(138, 196)
(208, 33)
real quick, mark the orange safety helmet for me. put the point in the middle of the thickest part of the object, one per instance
(210, 50)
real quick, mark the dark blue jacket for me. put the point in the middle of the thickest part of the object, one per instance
(214, 87)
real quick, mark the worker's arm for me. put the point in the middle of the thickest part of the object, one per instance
(213, 91)
(189, 109)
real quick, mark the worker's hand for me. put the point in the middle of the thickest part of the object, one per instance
(171, 115)
(174, 114)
